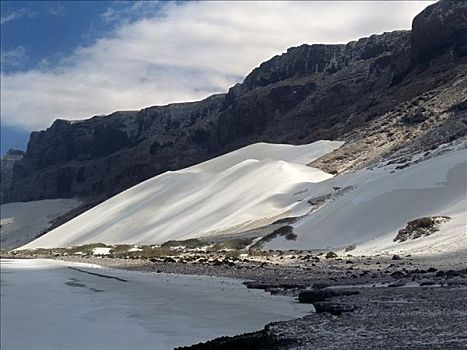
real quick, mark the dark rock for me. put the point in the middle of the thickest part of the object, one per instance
(335, 309)
(452, 274)
(217, 262)
(272, 285)
(7, 164)
(311, 296)
(420, 228)
(396, 257)
(397, 284)
(331, 255)
(229, 263)
(427, 283)
(398, 274)
(261, 340)
(438, 27)
(461, 106)
(318, 201)
(457, 283)
(403, 166)
(417, 117)
(431, 270)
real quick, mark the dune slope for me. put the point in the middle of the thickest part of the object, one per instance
(376, 203)
(251, 186)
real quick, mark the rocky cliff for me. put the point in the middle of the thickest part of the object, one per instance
(396, 91)
(7, 163)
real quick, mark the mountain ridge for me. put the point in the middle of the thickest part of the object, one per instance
(311, 92)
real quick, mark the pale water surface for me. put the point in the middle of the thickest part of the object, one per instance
(47, 304)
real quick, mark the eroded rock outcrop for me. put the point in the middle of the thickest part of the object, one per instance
(421, 227)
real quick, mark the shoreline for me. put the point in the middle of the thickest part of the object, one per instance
(420, 298)
(160, 311)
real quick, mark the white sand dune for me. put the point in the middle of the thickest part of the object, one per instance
(262, 182)
(251, 184)
(383, 201)
(22, 222)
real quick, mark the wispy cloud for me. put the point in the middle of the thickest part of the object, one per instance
(50, 9)
(186, 51)
(16, 14)
(127, 11)
(13, 57)
(55, 9)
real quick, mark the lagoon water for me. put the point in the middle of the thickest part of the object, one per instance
(47, 304)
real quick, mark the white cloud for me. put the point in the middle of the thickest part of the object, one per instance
(185, 52)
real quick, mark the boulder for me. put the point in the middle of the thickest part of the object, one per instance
(335, 309)
(312, 296)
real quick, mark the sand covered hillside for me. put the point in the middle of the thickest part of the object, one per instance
(247, 188)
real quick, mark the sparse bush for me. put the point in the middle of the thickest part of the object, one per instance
(285, 231)
(291, 236)
(349, 248)
(255, 251)
(232, 254)
(191, 243)
(120, 248)
(148, 251)
(235, 244)
(86, 248)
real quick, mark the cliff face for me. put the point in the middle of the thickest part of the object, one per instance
(7, 163)
(310, 92)
(106, 154)
(439, 27)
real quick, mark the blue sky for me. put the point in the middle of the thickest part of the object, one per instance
(64, 24)
(50, 30)
(41, 33)
(73, 60)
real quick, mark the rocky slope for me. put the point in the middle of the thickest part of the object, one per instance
(386, 95)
